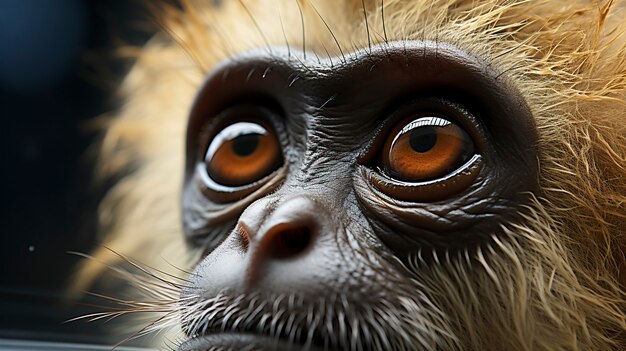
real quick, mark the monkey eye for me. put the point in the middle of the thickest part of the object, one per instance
(425, 148)
(243, 153)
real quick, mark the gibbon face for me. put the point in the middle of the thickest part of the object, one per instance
(377, 175)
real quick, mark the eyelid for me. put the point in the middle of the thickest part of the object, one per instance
(423, 107)
(427, 191)
(216, 122)
(231, 132)
(259, 119)
(422, 122)
(424, 112)
(448, 148)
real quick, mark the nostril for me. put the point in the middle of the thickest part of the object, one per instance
(288, 241)
(242, 237)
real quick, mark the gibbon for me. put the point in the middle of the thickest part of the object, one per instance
(374, 175)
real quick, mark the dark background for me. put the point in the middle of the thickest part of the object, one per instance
(58, 70)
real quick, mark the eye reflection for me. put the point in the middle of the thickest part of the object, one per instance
(425, 148)
(242, 153)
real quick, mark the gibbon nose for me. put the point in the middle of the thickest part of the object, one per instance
(282, 240)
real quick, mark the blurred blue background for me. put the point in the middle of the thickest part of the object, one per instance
(57, 71)
(41, 41)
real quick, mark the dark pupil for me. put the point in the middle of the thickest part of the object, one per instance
(423, 139)
(244, 145)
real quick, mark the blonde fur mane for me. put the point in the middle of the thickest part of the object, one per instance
(556, 281)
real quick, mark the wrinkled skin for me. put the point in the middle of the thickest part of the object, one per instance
(327, 223)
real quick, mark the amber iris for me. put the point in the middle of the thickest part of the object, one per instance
(426, 148)
(243, 153)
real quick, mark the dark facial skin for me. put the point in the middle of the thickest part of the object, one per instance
(328, 226)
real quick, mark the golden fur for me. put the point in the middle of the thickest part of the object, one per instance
(554, 282)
